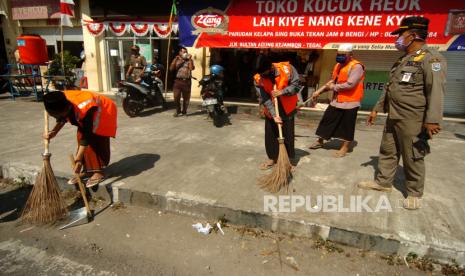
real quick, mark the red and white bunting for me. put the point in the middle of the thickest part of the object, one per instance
(95, 28)
(118, 28)
(137, 28)
(161, 29)
(141, 29)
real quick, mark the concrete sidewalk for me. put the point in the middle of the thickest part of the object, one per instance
(188, 166)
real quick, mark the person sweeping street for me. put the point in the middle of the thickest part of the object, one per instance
(277, 85)
(95, 117)
(340, 117)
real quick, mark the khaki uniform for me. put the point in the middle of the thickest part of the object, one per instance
(413, 96)
(137, 63)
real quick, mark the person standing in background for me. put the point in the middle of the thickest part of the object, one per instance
(182, 65)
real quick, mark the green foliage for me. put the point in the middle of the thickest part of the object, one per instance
(69, 62)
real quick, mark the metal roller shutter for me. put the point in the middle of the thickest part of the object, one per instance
(377, 60)
(454, 100)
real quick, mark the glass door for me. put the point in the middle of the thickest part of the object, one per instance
(115, 63)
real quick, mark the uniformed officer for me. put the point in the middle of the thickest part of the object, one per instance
(413, 99)
(137, 64)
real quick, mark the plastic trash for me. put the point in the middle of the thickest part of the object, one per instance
(201, 229)
(219, 228)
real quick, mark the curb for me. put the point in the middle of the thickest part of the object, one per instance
(195, 206)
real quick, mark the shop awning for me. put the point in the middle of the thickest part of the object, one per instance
(313, 24)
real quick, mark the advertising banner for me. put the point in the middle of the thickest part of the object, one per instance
(373, 88)
(316, 24)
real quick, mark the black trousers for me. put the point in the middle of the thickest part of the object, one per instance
(272, 135)
(338, 123)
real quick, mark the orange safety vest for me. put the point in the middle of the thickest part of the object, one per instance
(282, 80)
(342, 75)
(105, 118)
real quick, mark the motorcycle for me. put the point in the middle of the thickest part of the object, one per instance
(212, 97)
(145, 94)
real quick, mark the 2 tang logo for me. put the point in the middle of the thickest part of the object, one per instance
(211, 21)
(208, 20)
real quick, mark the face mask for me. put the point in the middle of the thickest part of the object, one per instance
(341, 59)
(400, 44)
(184, 55)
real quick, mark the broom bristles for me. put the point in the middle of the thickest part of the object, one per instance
(45, 204)
(280, 175)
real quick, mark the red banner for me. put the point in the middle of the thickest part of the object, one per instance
(315, 23)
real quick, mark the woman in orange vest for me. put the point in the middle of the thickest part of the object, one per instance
(95, 117)
(340, 117)
(279, 80)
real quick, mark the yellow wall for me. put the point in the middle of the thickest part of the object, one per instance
(199, 57)
(94, 50)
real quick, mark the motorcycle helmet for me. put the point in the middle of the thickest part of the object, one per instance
(216, 69)
(156, 67)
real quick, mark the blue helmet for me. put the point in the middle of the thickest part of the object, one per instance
(216, 69)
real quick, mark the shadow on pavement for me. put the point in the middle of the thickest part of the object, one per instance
(460, 136)
(399, 178)
(127, 167)
(132, 165)
(12, 203)
(335, 144)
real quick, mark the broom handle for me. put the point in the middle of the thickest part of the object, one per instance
(81, 186)
(276, 109)
(46, 141)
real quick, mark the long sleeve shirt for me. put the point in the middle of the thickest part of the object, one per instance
(416, 87)
(355, 76)
(85, 127)
(292, 88)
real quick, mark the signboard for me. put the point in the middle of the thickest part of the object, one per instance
(373, 88)
(309, 23)
(35, 9)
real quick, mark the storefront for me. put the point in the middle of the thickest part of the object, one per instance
(112, 27)
(41, 17)
(291, 29)
(120, 36)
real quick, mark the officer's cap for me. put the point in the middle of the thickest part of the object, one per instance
(412, 22)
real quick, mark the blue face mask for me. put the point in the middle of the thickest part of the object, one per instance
(400, 44)
(341, 59)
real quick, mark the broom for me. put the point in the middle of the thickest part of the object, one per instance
(45, 203)
(282, 171)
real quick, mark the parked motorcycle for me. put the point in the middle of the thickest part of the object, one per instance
(146, 93)
(212, 95)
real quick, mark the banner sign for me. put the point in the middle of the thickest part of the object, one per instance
(313, 24)
(373, 88)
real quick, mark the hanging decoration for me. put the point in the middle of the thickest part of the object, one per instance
(118, 28)
(95, 28)
(141, 28)
(161, 29)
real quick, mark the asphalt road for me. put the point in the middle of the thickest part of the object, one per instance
(136, 241)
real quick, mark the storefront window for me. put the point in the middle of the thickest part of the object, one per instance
(118, 50)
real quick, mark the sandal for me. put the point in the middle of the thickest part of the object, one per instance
(316, 145)
(94, 181)
(73, 180)
(266, 165)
